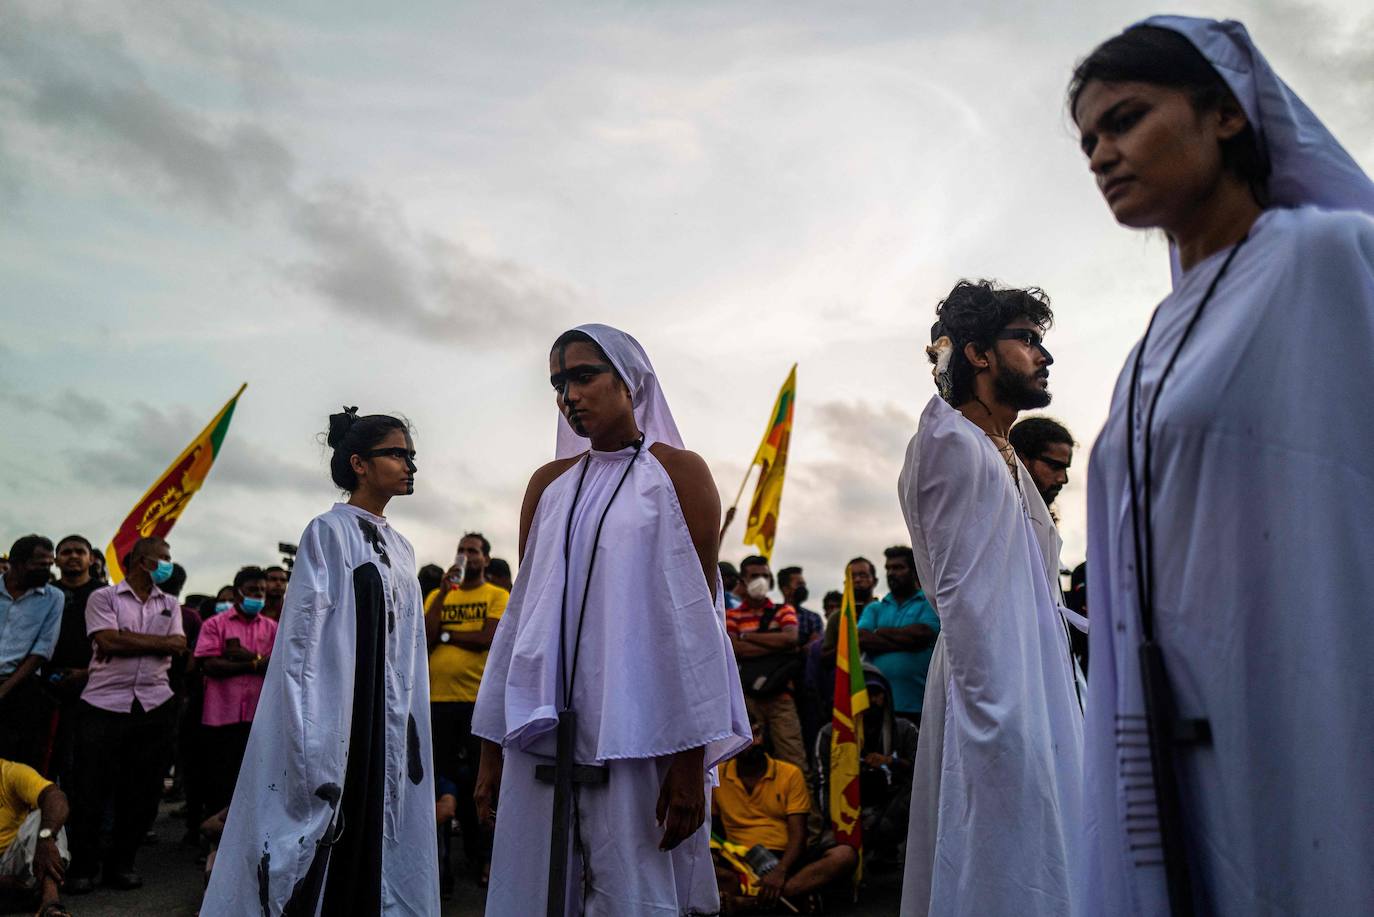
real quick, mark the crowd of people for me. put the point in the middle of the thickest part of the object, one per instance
(113, 696)
(333, 726)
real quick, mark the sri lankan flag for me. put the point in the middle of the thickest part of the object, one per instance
(772, 461)
(847, 728)
(160, 508)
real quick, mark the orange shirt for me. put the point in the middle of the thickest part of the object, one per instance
(760, 817)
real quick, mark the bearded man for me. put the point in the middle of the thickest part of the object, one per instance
(997, 791)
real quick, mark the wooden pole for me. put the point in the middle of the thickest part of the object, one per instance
(730, 513)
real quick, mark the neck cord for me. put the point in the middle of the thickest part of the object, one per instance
(1142, 528)
(1164, 730)
(569, 675)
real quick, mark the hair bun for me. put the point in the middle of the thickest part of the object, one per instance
(340, 424)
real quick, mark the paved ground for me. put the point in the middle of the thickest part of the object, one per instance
(173, 886)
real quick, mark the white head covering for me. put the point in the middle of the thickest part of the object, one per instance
(1308, 165)
(652, 416)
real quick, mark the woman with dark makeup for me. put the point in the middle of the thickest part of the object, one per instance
(1231, 499)
(333, 812)
(613, 650)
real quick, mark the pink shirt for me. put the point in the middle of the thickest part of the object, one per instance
(117, 681)
(234, 699)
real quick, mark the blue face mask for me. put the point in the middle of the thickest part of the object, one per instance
(163, 572)
(222, 607)
(251, 607)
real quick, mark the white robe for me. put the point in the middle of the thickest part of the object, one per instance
(996, 796)
(1263, 508)
(343, 724)
(655, 676)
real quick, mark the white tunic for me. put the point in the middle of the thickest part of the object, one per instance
(343, 724)
(655, 676)
(996, 796)
(1263, 507)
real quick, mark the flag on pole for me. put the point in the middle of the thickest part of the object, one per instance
(771, 458)
(847, 729)
(160, 508)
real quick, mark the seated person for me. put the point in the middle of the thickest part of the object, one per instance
(763, 801)
(33, 844)
(885, 768)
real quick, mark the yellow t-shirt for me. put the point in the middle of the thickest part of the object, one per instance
(760, 817)
(455, 672)
(20, 787)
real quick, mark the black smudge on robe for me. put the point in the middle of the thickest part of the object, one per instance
(346, 874)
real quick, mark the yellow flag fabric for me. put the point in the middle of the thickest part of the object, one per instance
(771, 458)
(158, 510)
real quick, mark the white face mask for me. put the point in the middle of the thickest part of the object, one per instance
(758, 587)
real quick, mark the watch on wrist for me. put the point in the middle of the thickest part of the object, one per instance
(45, 834)
(445, 637)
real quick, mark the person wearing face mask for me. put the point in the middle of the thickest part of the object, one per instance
(764, 637)
(127, 714)
(30, 619)
(233, 649)
(792, 585)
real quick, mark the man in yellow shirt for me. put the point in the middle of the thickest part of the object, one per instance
(460, 621)
(764, 802)
(33, 845)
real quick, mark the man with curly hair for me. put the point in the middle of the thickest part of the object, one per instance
(997, 795)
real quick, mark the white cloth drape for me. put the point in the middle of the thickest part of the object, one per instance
(1263, 508)
(655, 675)
(996, 797)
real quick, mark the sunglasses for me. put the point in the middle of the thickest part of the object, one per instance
(1028, 336)
(1055, 464)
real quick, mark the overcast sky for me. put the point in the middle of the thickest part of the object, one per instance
(400, 207)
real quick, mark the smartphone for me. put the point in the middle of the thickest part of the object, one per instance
(233, 644)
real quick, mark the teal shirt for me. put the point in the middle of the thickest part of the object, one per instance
(905, 671)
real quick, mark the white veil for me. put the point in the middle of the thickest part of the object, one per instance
(1308, 165)
(652, 416)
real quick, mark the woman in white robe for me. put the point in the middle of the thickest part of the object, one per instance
(656, 690)
(333, 813)
(1251, 547)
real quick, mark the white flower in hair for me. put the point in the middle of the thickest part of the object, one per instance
(941, 354)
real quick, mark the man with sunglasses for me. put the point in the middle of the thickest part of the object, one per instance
(1046, 449)
(997, 793)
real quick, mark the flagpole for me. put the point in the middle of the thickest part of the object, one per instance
(730, 513)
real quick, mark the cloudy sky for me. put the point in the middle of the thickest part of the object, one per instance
(401, 206)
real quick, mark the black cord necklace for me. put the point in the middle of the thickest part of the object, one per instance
(569, 674)
(1165, 731)
(1143, 541)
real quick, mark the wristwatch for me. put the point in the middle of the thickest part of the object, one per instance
(45, 834)
(444, 637)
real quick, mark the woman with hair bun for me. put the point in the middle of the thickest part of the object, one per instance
(334, 808)
(1230, 499)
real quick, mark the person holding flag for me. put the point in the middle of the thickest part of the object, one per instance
(997, 796)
